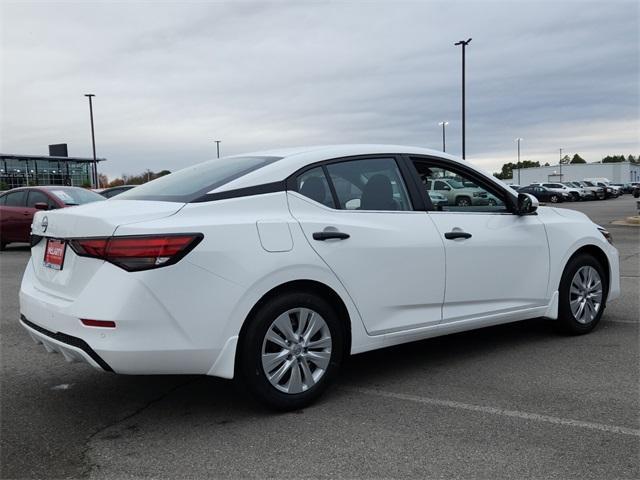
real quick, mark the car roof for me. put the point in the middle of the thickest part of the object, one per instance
(293, 159)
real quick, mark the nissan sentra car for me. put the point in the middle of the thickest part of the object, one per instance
(272, 267)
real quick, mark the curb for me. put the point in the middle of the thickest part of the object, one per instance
(629, 221)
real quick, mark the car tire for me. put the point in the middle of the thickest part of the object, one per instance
(582, 295)
(267, 368)
(492, 202)
(554, 199)
(463, 202)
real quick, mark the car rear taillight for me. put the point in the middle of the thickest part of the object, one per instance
(140, 252)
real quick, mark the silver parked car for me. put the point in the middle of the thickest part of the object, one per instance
(457, 193)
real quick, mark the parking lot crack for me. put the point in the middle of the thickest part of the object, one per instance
(85, 451)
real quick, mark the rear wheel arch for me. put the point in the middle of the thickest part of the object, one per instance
(307, 286)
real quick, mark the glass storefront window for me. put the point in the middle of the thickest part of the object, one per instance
(19, 172)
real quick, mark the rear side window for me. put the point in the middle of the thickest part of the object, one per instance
(370, 184)
(190, 183)
(36, 196)
(313, 184)
(16, 199)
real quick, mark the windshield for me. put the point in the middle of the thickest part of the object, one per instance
(75, 196)
(589, 184)
(456, 184)
(192, 182)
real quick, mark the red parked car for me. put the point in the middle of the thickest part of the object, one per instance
(17, 207)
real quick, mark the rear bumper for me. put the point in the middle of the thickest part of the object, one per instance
(73, 349)
(150, 337)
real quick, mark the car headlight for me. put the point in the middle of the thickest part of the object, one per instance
(477, 194)
(606, 234)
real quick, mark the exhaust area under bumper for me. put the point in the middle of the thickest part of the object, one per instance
(73, 349)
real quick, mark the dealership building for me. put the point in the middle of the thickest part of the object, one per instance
(57, 168)
(622, 172)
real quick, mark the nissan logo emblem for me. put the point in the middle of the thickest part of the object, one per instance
(44, 224)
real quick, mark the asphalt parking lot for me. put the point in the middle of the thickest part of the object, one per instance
(516, 401)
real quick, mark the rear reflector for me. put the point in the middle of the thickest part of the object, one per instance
(98, 323)
(136, 253)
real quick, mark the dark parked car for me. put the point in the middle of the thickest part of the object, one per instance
(113, 191)
(636, 191)
(543, 194)
(624, 187)
(18, 206)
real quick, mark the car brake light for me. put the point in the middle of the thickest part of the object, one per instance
(137, 253)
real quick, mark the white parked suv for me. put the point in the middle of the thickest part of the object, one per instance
(583, 192)
(264, 267)
(599, 192)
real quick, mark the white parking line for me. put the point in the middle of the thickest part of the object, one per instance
(497, 411)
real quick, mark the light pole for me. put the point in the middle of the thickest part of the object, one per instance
(94, 173)
(218, 147)
(444, 144)
(464, 44)
(518, 140)
(560, 163)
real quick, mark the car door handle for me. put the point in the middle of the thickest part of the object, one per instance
(457, 234)
(327, 235)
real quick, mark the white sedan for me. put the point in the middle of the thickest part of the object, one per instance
(272, 267)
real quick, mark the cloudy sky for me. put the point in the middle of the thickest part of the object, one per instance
(171, 77)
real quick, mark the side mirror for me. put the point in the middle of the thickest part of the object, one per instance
(527, 204)
(41, 206)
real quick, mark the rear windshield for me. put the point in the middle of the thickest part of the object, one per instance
(75, 196)
(192, 182)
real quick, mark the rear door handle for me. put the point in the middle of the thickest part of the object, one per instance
(327, 235)
(457, 234)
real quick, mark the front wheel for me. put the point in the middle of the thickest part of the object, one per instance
(583, 293)
(463, 202)
(291, 350)
(554, 199)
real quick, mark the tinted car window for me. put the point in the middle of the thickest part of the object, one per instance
(193, 182)
(75, 196)
(36, 196)
(16, 199)
(373, 184)
(112, 192)
(313, 184)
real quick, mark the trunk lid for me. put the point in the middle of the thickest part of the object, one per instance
(98, 219)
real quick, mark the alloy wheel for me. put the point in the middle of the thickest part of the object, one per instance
(296, 350)
(585, 294)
